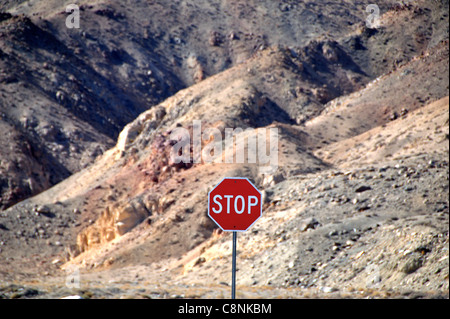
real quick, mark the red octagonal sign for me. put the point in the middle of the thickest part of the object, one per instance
(234, 204)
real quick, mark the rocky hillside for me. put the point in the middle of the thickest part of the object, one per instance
(79, 87)
(357, 205)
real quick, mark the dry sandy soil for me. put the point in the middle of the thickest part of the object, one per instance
(357, 207)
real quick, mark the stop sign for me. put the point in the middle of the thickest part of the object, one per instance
(234, 204)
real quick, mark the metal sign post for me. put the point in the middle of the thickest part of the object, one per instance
(233, 268)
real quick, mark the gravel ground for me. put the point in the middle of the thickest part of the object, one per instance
(375, 232)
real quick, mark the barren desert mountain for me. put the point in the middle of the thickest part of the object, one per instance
(354, 181)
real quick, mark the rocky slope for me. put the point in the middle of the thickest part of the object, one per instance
(79, 87)
(358, 205)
